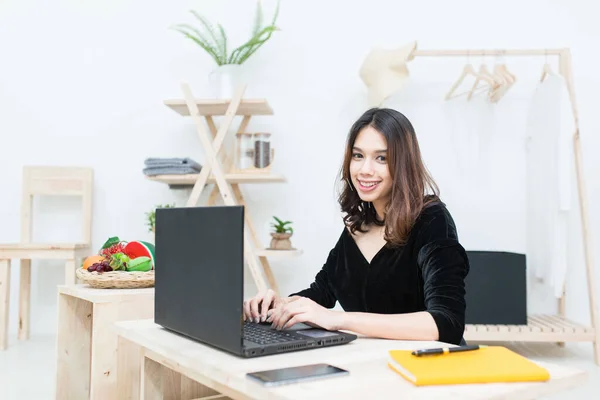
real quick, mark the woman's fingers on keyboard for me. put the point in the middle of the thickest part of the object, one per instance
(246, 309)
(266, 305)
(254, 311)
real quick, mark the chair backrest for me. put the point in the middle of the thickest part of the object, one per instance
(56, 181)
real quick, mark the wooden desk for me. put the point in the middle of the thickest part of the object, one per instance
(172, 361)
(87, 342)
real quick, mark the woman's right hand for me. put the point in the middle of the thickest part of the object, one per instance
(256, 308)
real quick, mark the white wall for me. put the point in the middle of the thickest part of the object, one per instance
(82, 83)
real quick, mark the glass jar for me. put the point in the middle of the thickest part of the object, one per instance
(245, 152)
(262, 150)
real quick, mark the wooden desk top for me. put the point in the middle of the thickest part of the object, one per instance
(85, 292)
(365, 358)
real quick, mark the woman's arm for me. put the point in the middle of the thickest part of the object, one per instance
(411, 326)
(445, 265)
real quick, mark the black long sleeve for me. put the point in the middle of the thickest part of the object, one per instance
(443, 263)
(444, 266)
(320, 290)
(426, 274)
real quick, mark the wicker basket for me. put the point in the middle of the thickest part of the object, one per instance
(116, 279)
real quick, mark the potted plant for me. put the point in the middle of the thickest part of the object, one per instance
(151, 216)
(226, 76)
(282, 231)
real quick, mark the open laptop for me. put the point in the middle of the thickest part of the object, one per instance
(199, 289)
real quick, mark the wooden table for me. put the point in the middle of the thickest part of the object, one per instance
(177, 367)
(87, 342)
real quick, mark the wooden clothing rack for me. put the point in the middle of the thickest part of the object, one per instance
(545, 328)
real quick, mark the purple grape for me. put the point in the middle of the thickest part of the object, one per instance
(108, 268)
(92, 268)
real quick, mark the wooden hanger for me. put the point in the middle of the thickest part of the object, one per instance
(485, 75)
(508, 79)
(547, 70)
(467, 70)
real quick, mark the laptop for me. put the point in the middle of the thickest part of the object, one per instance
(199, 289)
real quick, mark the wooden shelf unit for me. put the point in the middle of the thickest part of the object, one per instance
(219, 107)
(190, 179)
(278, 254)
(218, 164)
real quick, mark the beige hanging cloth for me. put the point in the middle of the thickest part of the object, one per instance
(384, 72)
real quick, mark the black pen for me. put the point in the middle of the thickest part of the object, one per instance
(446, 350)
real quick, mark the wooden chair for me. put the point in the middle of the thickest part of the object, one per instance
(43, 181)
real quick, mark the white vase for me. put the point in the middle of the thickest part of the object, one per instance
(225, 80)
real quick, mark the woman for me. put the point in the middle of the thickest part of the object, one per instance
(398, 268)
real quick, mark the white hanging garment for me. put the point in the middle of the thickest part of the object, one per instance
(550, 127)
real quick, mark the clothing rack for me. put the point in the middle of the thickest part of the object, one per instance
(545, 328)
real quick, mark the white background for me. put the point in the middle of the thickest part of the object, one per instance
(82, 83)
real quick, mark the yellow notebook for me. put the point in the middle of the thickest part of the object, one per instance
(486, 365)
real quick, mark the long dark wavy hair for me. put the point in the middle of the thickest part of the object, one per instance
(413, 188)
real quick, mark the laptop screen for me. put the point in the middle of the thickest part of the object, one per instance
(200, 273)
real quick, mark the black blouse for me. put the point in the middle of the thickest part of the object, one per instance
(426, 274)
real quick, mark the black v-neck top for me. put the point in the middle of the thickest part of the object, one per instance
(426, 274)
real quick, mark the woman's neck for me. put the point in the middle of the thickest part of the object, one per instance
(380, 207)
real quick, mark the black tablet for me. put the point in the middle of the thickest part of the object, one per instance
(303, 373)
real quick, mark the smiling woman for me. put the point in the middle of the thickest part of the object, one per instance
(397, 269)
(383, 163)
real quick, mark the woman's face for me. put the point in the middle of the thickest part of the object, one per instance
(369, 167)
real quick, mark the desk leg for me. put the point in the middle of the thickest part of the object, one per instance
(103, 373)
(73, 348)
(128, 365)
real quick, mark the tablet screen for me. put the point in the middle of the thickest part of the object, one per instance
(296, 374)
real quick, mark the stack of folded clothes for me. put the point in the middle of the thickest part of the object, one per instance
(171, 166)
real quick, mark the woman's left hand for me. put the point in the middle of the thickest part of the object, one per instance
(307, 311)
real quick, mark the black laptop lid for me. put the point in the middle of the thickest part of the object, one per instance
(200, 273)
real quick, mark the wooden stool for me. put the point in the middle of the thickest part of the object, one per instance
(43, 181)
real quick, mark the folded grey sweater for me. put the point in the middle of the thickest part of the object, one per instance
(170, 170)
(171, 166)
(172, 162)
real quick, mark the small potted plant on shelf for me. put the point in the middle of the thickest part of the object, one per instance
(214, 41)
(151, 217)
(282, 231)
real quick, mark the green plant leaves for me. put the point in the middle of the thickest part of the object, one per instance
(151, 216)
(280, 226)
(201, 40)
(241, 54)
(214, 41)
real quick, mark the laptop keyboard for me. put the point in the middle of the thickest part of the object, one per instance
(253, 333)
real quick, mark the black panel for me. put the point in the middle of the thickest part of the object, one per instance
(199, 273)
(496, 288)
